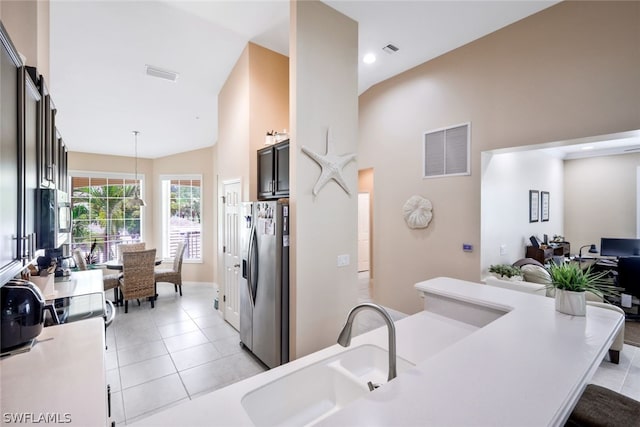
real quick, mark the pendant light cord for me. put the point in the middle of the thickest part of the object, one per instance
(135, 133)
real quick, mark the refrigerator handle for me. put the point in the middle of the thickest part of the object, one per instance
(255, 262)
(250, 264)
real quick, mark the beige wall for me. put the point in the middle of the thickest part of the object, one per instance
(323, 69)
(253, 100)
(566, 72)
(199, 162)
(233, 125)
(193, 162)
(269, 108)
(600, 198)
(27, 22)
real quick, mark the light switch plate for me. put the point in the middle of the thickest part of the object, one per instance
(343, 260)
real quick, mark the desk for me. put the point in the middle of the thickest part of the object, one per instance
(542, 255)
(596, 264)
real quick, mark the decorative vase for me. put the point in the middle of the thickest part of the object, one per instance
(570, 302)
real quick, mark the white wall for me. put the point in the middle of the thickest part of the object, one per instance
(600, 198)
(324, 93)
(506, 181)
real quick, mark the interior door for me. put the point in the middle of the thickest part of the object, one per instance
(363, 231)
(231, 300)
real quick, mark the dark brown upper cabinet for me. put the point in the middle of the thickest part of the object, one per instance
(273, 171)
(11, 170)
(29, 140)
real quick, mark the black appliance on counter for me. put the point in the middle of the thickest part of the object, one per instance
(53, 218)
(22, 317)
(58, 255)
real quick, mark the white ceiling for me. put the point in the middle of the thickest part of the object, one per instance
(99, 50)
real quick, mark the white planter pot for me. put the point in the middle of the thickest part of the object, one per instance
(569, 302)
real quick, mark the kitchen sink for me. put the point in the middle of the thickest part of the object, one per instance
(316, 391)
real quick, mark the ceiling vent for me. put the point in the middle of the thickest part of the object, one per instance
(152, 71)
(391, 48)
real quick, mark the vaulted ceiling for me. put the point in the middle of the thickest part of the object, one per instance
(100, 50)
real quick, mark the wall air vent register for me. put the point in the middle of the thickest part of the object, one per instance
(447, 151)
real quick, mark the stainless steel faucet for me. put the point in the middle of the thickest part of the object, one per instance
(344, 339)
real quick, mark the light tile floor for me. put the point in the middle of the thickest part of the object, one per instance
(160, 357)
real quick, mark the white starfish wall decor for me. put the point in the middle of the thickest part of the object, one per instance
(331, 164)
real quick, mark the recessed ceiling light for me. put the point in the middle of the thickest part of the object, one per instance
(587, 147)
(369, 58)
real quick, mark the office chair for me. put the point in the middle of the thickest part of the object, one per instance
(629, 275)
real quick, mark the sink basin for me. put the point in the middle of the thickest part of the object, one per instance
(311, 393)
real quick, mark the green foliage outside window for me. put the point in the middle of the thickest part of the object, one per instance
(101, 213)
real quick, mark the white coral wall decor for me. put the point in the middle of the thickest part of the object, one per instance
(418, 212)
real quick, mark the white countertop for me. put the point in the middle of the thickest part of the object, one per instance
(526, 367)
(78, 283)
(63, 374)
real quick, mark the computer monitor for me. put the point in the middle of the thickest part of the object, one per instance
(619, 247)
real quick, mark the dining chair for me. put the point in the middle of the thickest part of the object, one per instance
(138, 279)
(110, 281)
(174, 274)
(130, 247)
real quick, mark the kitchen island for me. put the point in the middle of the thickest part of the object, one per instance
(483, 356)
(60, 381)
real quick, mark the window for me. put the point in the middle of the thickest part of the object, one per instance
(101, 213)
(446, 151)
(181, 216)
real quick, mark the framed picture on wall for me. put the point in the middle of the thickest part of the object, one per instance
(544, 206)
(534, 205)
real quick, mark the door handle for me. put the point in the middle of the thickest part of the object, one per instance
(236, 265)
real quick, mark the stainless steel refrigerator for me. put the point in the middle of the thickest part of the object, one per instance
(264, 286)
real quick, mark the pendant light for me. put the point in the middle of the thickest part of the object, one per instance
(136, 201)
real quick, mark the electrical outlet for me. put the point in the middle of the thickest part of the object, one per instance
(343, 260)
(503, 249)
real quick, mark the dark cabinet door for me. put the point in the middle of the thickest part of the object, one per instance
(49, 143)
(29, 149)
(281, 172)
(265, 173)
(10, 212)
(273, 171)
(44, 170)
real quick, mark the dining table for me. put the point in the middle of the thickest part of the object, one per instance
(117, 264)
